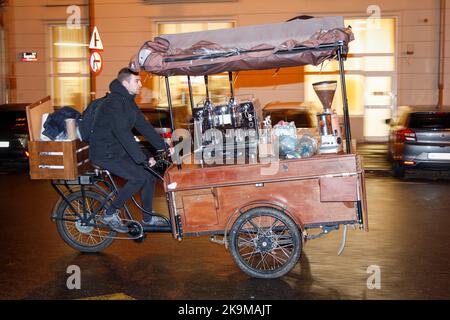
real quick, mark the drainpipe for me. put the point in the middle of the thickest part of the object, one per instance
(93, 83)
(441, 56)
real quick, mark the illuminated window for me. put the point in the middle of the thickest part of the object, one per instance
(69, 66)
(370, 67)
(154, 92)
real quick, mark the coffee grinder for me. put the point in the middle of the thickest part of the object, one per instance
(328, 121)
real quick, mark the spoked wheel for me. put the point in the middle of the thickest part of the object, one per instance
(85, 236)
(265, 243)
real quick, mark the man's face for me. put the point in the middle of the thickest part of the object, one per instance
(133, 84)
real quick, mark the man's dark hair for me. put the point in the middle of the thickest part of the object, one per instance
(125, 73)
(303, 17)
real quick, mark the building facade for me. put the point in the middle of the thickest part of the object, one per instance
(393, 62)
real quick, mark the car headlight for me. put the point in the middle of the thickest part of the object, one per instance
(23, 141)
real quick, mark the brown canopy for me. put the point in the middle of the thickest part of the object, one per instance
(287, 44)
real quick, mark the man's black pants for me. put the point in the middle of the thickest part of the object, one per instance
(137, 178)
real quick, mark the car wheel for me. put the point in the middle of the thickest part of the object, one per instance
(398, 170)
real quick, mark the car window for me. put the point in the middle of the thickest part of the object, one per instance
(301, 119)
(158, 118)
(438, 120)
(13, 121)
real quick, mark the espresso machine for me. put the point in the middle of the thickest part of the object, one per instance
(328, 121)
(230, 129)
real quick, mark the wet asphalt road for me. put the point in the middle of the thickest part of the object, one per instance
(408, 241)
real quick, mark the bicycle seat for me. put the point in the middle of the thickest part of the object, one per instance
(99, 169)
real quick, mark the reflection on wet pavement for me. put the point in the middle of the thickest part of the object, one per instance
(408, 240)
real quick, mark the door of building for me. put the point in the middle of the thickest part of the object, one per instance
(375, 46)
(371, 77)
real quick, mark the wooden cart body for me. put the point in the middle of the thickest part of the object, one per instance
(321, 191)
(318, 191)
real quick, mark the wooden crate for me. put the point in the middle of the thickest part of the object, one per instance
(53, 159)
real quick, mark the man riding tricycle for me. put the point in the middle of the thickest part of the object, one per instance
(258, 189)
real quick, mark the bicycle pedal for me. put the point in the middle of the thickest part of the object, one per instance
(140, 239)
(135, 229)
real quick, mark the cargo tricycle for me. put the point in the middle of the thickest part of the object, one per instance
(263, 208)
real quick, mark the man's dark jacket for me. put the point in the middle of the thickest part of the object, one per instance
(114, 120)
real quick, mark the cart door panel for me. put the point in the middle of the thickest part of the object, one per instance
(334, 189)
(301, 197)
(199, 208)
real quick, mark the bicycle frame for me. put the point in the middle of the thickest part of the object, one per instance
(93, 181)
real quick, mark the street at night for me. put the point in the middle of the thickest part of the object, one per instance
(217, 158)
(408, 241)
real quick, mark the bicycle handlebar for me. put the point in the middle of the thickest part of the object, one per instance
(154, 172)
(162, 159)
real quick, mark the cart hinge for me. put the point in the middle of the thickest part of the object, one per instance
(180, 228)
(325, 230)
(216, 240)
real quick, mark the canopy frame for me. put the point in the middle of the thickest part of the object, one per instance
(341, 52)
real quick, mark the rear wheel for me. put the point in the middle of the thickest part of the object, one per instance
(85, 236)
(265, 243)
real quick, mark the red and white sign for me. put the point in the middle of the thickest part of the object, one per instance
(96, 42)
(28, 57)
(96, 62)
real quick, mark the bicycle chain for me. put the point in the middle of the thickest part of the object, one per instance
(127, 237)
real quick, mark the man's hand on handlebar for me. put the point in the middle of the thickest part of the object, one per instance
(158, 164)
(161, 159)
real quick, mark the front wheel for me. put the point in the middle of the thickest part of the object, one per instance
(265, 243)
(85, 236)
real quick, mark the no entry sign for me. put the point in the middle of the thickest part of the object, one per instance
(95, 59)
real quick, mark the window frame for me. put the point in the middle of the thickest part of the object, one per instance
(156, 82)
(53, 76)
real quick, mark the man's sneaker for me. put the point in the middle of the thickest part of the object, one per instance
(113, 221)
(155, 221)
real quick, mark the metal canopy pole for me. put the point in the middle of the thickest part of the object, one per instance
(169, 102)
(230, 78)
(172, 126)
(207, 90)
(348, 134)
(191, 97)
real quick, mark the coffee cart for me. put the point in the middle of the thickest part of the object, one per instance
(262, 218)
(263, 212)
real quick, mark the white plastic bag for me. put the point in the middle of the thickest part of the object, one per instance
(283, 128)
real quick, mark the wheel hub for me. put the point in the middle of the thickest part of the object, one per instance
(83, 228)
(265, 244)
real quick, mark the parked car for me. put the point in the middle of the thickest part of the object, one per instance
(302, 116)
(420, 141)
(13, 138)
